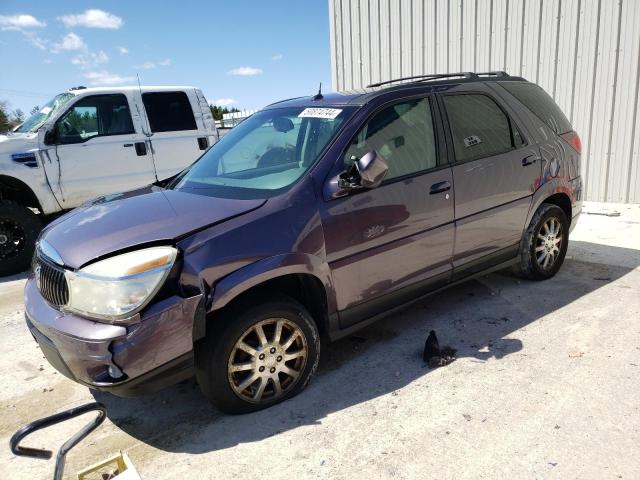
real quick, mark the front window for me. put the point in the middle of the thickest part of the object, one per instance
(35, 121)
(93, 116)
(265, 154)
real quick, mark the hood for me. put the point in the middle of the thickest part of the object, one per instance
(122, 221)
(18, 143)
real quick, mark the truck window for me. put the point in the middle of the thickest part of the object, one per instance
(169, 111)
(93, 116)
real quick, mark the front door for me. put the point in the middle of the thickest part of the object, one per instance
(389, 244)
(98, 151)
(176, 141)
(495, 173)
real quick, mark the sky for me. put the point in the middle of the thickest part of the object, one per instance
(241, 53)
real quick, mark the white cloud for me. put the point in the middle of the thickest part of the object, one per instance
(277, 57)
(245, 71)
(151, 65)
(146, 66)
(17, 22)
(105, 78)
(91, 59)
(224, 102)
(35, 40)
(123, 50)
(92, 18)
(70, 42)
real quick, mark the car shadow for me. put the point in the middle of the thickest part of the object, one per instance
(478, 318)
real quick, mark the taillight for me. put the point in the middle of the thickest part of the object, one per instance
(572, 139)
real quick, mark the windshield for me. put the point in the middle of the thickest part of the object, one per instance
(265, 154)
(35, 121)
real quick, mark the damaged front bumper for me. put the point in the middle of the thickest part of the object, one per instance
(126, 360)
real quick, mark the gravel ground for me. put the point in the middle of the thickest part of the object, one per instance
(547, 385)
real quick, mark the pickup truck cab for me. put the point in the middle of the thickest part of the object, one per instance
(88, 142)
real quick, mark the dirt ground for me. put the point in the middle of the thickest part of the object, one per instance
(547, 385)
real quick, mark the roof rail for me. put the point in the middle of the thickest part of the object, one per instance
(495, 73)
(431, 76)
(437, 76)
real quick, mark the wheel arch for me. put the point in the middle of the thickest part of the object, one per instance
(556, 193)
(305, 278)
(17, 191)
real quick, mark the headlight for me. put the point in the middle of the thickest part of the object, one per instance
(120, 286)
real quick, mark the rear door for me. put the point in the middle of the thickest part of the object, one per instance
(495, 173)
(387, 245)
(176, 139)
(98, 150)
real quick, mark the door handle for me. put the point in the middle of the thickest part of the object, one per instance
(439, 187)
(203, 143)
(141, 148)
(529, 160)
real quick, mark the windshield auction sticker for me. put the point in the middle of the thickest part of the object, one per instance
(329, 113)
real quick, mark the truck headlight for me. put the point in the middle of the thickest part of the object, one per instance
(118, 287)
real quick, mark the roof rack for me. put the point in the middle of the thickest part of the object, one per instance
(438, 76)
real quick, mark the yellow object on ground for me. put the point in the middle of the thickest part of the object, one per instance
(116, 467)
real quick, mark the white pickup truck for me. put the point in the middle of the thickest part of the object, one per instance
(88, 142)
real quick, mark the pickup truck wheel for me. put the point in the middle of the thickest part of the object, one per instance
(259, 356)
(19, 229)
(544, 243)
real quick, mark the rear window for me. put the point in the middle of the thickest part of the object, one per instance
(479, 127)
(169, 111)
(541, 104)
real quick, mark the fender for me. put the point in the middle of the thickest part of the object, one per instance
(552, 186)
(270, 268)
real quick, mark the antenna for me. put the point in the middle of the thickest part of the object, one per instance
(318, 96)
(147, 127)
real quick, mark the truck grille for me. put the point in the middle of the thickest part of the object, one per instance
(51, 282)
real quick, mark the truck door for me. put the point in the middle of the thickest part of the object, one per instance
(176, 138)
(98, 150)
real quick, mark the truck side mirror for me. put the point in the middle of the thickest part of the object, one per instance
(51, 136)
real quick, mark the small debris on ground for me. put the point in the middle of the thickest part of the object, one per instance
(467, 417)
(575, 354)
(436, 356)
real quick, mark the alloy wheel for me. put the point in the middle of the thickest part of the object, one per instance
(267, 361)
(549, 243)
(12, 238)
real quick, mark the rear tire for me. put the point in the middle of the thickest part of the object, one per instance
(256, 356)
(19, 229)
(544, 243)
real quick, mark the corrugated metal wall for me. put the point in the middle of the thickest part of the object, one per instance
(585, 53)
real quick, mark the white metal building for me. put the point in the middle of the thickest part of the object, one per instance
(585, 53)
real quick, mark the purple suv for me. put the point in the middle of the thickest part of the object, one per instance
(309, 220)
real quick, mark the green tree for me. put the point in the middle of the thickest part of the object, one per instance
(18, 116)
(34, 110)
(218, 112)
(4, 118)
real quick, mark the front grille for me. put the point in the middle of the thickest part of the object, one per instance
(51, 282)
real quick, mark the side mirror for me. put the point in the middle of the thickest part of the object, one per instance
(372, 169)
(51, 136)
(366, 172)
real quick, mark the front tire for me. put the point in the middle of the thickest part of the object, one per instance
(19, 229)
(255, 357)
(544, 243)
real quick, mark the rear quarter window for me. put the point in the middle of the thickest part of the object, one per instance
(169, 111)
(541, 104)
